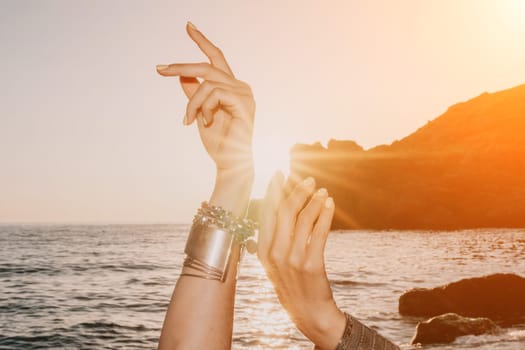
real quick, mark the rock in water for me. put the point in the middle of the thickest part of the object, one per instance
(500, 297)
(446, 328)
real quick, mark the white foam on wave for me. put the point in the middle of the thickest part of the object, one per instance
(512, 335)
(517, 334)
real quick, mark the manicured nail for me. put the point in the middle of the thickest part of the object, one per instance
(329, 203)
(192, 26)
(322, 192)
(309, 182)
(185, 120)
(162, 67)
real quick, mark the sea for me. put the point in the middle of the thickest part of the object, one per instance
(108, 286)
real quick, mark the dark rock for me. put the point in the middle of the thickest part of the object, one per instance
(446, 328)
(500, 297)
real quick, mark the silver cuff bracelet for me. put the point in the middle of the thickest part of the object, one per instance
(210, 241)
(210, 245)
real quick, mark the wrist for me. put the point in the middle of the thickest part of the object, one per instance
(232, 189)
(327, 329)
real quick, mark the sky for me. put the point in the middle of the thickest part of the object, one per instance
(89, 133)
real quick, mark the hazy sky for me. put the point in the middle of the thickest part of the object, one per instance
(90, 133)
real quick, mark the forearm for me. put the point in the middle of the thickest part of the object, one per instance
(200, 313)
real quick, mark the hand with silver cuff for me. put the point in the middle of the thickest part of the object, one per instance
(200, 313)
(293, 231)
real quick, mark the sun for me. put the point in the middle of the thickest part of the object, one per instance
(511, 13)
(270, 155)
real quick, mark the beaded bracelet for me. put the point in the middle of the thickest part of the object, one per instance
(240, 228)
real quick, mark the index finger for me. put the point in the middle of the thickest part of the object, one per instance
(211, 51)
(202, 70)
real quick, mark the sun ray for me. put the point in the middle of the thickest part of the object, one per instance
(270, 156)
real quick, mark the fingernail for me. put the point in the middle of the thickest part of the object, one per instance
(329, 203)
(322, 192)
(192, 26)
(185, 120)
(203, 121)
(309, 182)
(162, 66)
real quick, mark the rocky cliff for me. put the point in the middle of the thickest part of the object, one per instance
(465, 169)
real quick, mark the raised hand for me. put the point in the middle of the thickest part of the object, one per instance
(292, 236)
(224, 110)
(223, 106)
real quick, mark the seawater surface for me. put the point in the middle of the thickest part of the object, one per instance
(108, 286)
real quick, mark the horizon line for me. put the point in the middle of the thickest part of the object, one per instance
(91, 223)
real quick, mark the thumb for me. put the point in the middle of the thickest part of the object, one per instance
(267, 221)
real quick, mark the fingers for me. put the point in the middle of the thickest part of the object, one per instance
(218, 71)
(268, 217)
(298, 276)
(321, 229)
(286, 218)
(291, 182)
(210, 95)
(195, 70)
(305, 223)
(214, 54)
(225, 99)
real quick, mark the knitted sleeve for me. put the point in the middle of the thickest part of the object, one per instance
(357, 336)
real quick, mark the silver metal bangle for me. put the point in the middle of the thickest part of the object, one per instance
(344, 342)
(195, 268)
(357, 336)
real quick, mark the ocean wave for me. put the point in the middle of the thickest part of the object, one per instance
(111, 327)
(8, 270)
(355, 283)
(44, 341)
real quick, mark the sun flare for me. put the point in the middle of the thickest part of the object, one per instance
(270, 156)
